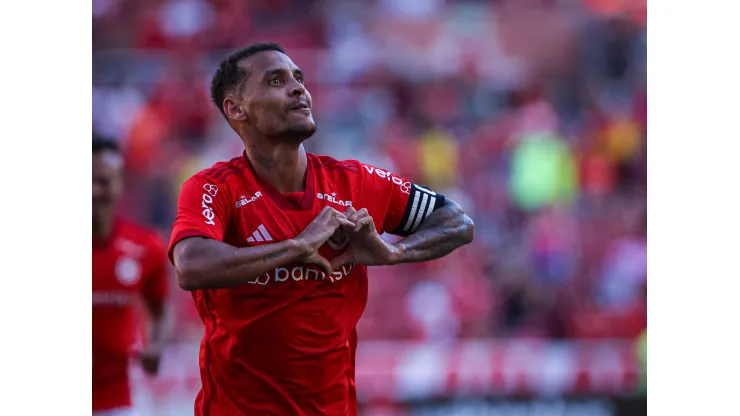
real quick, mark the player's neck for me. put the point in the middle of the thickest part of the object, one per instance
(102, 228)
(282, 165)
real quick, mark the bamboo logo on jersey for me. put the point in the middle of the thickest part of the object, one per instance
(339, 240)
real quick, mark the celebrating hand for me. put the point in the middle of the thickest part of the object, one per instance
(317, 232)
(366, 246)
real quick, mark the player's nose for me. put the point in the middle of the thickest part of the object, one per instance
(297, 89)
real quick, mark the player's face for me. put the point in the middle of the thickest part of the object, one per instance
(107, 183)
(276, 100)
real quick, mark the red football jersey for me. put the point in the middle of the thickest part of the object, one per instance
(284, 344)
(131, 264)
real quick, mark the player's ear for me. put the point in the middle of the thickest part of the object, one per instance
(234, 109)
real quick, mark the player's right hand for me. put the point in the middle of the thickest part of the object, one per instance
(317, 232)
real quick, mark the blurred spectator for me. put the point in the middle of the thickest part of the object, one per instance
(183, 19)
(438, 159)
(542, 172)
(641, 347)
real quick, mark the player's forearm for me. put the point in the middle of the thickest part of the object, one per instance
(158, 330)
(443, 231)
(210, 264)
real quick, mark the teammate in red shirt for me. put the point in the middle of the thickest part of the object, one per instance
(129, 264)
(275, 244)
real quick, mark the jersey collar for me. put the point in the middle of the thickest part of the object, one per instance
(288, 203)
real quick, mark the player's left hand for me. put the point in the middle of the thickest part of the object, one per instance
(150, 357)
(366, 246)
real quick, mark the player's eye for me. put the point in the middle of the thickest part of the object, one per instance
(275, 82)
(299, 79)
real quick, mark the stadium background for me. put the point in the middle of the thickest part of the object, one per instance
(530, 113)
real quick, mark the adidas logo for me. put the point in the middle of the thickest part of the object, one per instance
(260, 235)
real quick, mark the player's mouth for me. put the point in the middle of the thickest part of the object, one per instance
(301, 106)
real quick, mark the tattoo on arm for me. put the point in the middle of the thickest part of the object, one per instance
(444, 230)
(275, 255)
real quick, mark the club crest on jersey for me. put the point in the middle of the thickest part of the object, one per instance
(128, 271)
(338, 242)
(333, 199)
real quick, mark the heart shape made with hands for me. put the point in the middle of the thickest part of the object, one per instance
(339, 239)
(365, 245)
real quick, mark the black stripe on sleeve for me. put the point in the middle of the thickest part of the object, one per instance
(422, 202)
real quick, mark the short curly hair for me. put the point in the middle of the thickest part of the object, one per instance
(230, 75)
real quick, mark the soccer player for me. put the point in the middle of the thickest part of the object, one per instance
(275, 244)
(129, 264)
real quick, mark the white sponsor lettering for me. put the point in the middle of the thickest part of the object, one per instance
(207, 210)
(312, 272)
(279, 277)
(383, 174)
(333, 199)
(244, 200)
(299, 273)
(130, 248)
(111, 298)
(343, 271)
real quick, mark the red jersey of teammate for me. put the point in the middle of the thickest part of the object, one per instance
(285, 343)
(127, 266)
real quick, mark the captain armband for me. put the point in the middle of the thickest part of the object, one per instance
(421, 203)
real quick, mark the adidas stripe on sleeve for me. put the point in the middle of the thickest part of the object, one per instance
(421, 203)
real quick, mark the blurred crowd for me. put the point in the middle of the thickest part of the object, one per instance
(530, 113)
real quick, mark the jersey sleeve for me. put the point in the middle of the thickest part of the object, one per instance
(202, 211)
(156, 282)
(400, 204)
